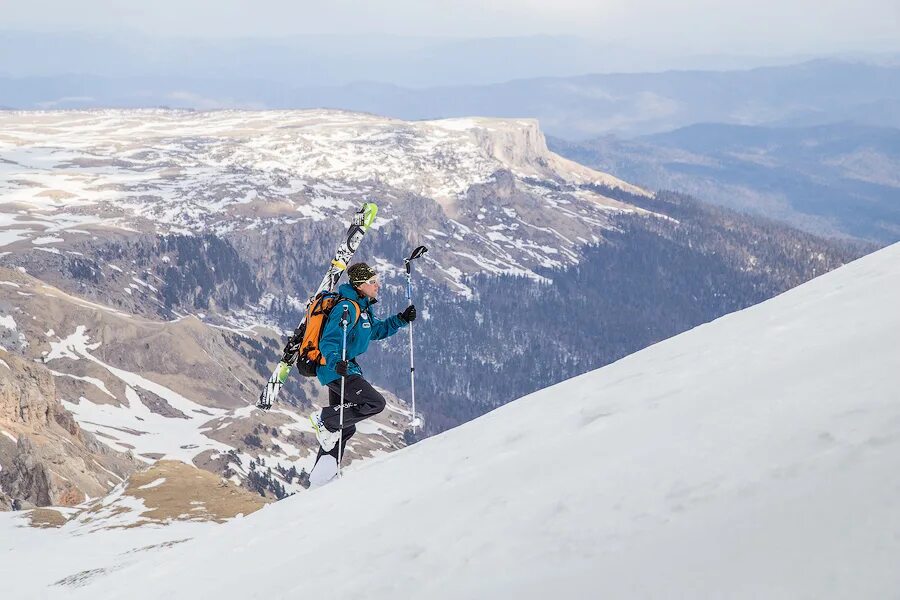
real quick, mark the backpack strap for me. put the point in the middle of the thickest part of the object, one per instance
(356, 305)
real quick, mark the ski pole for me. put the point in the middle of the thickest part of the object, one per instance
(344, 321)
(412, 368)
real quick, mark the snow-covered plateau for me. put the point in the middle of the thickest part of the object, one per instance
(752, 457)
(65, 175)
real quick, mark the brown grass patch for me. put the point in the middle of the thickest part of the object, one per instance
(189, 493)
(46, 518)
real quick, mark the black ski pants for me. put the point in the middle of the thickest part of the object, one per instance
(361, 401)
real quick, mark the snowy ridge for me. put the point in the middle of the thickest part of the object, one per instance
(754, 456)
(122, 155)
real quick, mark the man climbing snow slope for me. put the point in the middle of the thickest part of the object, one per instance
(361, 400)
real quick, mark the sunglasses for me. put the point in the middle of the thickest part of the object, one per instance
(371, 280)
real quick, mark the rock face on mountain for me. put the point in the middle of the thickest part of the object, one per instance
(46, 458)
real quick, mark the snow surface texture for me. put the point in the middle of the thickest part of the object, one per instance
(752, 457)
(188, 172)
(41, 563)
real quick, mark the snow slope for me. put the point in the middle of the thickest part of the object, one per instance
(752, 457)
(39, 563)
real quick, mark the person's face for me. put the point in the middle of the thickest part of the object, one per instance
(369, 288)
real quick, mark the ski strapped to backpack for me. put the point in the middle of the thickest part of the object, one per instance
(309, 357)
(344, 253)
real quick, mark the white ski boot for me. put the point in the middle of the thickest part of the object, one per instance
(327, 439)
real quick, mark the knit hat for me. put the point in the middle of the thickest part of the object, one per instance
(359, 273)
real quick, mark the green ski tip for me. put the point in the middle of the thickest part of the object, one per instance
(370, 209)
(283, 371)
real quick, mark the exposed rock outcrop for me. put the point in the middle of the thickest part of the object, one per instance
(46, 458)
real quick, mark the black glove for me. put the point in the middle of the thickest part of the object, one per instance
(408, 315)
(341, 367)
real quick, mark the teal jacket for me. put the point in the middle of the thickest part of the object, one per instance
(366, 328)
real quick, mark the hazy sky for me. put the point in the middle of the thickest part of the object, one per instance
(744, 26)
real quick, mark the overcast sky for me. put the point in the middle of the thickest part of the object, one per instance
(700, 26)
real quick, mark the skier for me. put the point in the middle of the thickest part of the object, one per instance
(361, 400)
(359, 224)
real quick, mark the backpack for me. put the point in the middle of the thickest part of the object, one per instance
(309, 357)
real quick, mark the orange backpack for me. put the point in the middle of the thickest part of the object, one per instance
(309, 356)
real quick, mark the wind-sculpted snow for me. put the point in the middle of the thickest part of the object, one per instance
(62, 173)
(751, 457)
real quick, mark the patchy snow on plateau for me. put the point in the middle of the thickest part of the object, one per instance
(189, 172)
(7, 322)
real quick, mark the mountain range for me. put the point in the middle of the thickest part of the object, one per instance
(838, 179)
(152, 261)
(573, 107)
(335, 59)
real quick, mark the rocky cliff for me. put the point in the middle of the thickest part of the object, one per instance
(46, 457)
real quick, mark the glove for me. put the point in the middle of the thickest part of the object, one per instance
(408, 315)
(341, 367)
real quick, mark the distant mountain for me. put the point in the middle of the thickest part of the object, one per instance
(335, 59)
(574, 107)
(836, 179)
